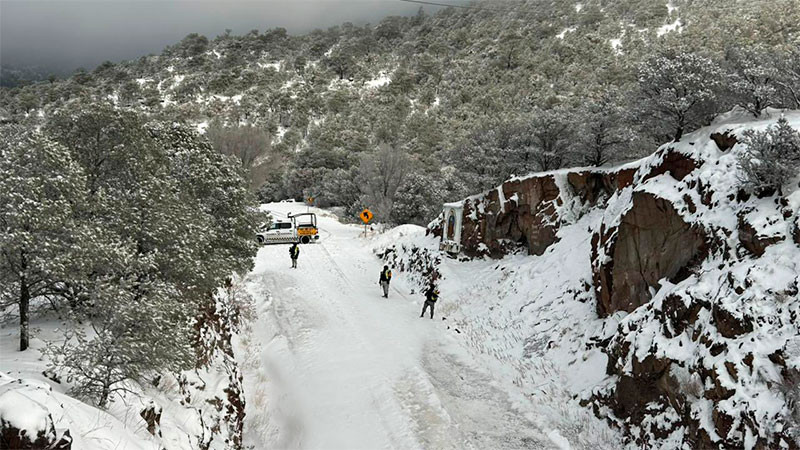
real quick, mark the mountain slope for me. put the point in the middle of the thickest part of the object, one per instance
(662, 296)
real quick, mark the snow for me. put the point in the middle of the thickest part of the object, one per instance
(565, 31)
(275, 65)
(202, 127)
(382, 80)
(671, 8)
(23, 413)
(668, 28)
(342, 367)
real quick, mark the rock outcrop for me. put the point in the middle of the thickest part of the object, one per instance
(26, 420)
(527, 212)
(650, 243)
(696, 277)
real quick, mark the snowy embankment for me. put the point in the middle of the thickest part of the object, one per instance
(659, 294)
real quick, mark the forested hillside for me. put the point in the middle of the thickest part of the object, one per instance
(405, 113)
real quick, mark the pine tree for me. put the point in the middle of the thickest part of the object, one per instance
(41, 189)
(772, 158)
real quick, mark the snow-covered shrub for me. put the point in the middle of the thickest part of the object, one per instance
(772, 158)
(129, 335)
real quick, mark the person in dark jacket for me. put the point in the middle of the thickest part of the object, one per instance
(386, 277)
(294, 253)
(431, 295)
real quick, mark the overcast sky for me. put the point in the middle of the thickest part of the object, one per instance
(66, 34)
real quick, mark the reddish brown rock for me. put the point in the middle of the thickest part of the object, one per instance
(525, 214)
(651, 242)
(152, 417)
(675, 163)
(728, 325)
(12, 437)
(754, 243)
(725, 141)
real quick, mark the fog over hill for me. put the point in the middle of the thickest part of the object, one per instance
(62, 35)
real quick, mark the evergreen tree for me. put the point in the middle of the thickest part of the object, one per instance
(754, 76)
(41, 191)
(771, 159)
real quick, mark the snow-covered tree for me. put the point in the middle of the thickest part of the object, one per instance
(754, 78)
(418, 199)
(379, 176)
(177, 219)
(40, 189)
(772, 158)
(789, 76)
(551, 131)
(603, 130)
(679, 91)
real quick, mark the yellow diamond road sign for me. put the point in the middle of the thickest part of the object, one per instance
(366, 215)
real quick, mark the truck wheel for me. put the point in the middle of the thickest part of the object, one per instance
(305, 240)
(260, 239)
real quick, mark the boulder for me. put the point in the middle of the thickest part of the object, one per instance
(27, 424)
(796, 231)
(651, 242)
(152, 417)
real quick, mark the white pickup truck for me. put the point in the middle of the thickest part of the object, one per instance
(300, 228)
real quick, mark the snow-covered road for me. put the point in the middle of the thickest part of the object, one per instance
(340, 367)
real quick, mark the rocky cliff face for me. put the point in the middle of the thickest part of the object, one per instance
(527, 212)
(698, 279)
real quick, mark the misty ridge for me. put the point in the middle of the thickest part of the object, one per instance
(56, 37)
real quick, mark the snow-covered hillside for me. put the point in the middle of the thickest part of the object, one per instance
(659, 294)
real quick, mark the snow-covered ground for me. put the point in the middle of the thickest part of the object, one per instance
(335, 365)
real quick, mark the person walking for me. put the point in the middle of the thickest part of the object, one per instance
(386, 277)
(294, 252)
(431, 295)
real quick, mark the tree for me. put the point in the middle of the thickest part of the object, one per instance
(245, 142)
(754, 77)
(418, 199)
(603, 130)
(771, 159)
(176, 220)
(380, 175)
(550, 132)
(341, 61)
(678, 91)
(41, 187)
(789, 76)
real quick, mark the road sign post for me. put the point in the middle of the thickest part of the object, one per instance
(365, 216)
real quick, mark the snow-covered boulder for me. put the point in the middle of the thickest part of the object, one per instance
(26, 421)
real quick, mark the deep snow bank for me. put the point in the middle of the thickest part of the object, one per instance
(687, 285)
